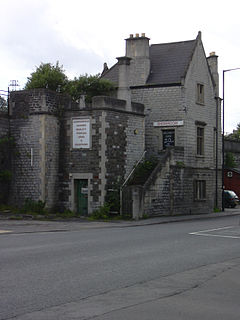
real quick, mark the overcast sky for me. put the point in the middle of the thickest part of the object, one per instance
(82, 35)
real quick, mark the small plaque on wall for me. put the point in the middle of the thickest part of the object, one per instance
(81, 133)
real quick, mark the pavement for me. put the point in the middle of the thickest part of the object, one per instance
(208, 292)
(30, 226)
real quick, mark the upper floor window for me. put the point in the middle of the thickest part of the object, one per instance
(200, 141)
(200, 93)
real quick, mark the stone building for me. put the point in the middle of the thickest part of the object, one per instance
(178, 86)
(72, 155)
(167, 108)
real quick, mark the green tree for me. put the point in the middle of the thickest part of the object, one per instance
(3, 104)
(52, 76)
(90, 86)
(47, 75)
(235, 135)
(230, 160)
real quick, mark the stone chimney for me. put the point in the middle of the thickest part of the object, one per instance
(137, 48)
(213, 64)
(124, 92)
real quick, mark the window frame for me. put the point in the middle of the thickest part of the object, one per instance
(200, 93)
(200, 141)
(199, 190)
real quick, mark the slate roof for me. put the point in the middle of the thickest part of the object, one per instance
(112, 74)
(169, 63)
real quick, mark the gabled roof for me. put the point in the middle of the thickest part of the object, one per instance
(169, 63)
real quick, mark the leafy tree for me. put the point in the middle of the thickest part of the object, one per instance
(235, 135)
(52, 76)
(3, 104)
(89, 86)
(47, 75)
(230, 160)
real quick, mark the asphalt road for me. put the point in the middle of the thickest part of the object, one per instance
(122, 273)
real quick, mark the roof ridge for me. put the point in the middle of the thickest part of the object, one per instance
(167, 43)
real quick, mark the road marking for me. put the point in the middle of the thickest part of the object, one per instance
(5, 231)
(206, 233)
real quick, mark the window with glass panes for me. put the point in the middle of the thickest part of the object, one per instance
(199, 190)
(200, 141)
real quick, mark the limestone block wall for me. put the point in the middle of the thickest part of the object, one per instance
(34, 126)
(26, 160)
(5, 156)
(161, 104)
(204, 113)
(116, 143)
(171, 190)
(179, 102)
(49, 144)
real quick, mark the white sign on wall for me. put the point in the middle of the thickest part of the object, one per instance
(81, 133)
(174, 123)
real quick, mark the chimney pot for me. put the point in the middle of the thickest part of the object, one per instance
(137, 35)
(131, 35)
(213, 53)
(143, 34)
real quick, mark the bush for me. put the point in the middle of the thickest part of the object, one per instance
(66, 214)
(102, 213)
(31, 206)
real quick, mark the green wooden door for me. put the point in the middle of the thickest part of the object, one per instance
(82, 197)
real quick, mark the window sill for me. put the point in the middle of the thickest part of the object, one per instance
(200, 103)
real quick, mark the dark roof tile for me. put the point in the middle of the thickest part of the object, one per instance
(169, 63)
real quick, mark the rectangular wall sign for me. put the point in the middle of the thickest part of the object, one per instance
(81, 133)
(174, 123)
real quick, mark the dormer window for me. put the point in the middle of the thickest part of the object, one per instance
(200, 93)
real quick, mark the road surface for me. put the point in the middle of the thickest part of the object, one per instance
(162, 271)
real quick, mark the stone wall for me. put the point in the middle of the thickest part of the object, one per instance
(34, 126)
(117, 142)
(233, 147)
(26, 160)
(169, 189)
(179, 103)
(161, 104)
(5, 157)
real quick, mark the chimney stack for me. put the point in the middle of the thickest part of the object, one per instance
(137, 48)
(124, 92)
(213, 64)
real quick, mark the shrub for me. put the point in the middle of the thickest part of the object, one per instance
(102, 213)
(31, 206)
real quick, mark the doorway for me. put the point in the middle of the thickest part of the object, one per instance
(81, 196)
